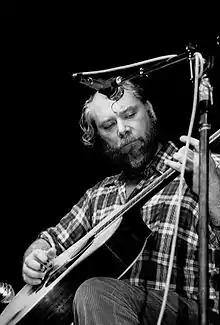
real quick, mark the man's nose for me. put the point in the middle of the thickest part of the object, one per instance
(123, 129)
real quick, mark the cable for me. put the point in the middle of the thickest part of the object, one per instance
(198, 74)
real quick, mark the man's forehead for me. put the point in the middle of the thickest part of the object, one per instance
(100, 101)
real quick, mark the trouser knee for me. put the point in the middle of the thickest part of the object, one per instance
(86, 292)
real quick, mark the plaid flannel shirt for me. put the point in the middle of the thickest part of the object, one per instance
(159, 213)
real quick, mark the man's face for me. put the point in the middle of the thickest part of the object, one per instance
(127, 129)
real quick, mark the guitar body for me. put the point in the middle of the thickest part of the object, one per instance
(110, 255)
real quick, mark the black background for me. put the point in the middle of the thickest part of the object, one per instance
(45, 168)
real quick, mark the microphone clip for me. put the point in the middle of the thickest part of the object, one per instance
(112, 87)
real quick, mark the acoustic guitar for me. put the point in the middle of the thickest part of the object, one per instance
(110, 249)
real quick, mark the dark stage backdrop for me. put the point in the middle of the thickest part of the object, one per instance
(45, 167)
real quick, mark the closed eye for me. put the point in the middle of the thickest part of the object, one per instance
(130, 112)
(130, 115)
(108, 125)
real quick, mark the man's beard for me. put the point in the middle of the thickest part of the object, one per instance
(134, 153)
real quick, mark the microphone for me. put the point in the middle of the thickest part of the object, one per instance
(6, 293)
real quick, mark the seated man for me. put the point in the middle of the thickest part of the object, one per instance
(126, 130)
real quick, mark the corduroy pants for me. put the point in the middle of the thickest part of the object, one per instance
(105, 301)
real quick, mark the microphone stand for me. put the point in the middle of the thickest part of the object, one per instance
(205, 91)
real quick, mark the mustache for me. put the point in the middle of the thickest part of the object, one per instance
(117, 151)
(129, 140)
(125, 142)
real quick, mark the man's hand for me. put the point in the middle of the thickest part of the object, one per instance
(35, 265)
(192, 164)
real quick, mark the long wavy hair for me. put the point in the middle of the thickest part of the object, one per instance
(87, 122)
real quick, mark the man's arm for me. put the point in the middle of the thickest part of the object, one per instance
(214, 195)
(55, 240)
(192, 169)
(214, 201)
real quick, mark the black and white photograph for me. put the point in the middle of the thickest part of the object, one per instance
(110, 179)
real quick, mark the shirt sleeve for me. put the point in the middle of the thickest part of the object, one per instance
(74, 225)
(215, 233)
(216, 158)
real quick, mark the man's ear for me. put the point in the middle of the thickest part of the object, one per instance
(150, 109)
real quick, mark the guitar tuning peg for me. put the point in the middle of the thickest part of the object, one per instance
(6, 293)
